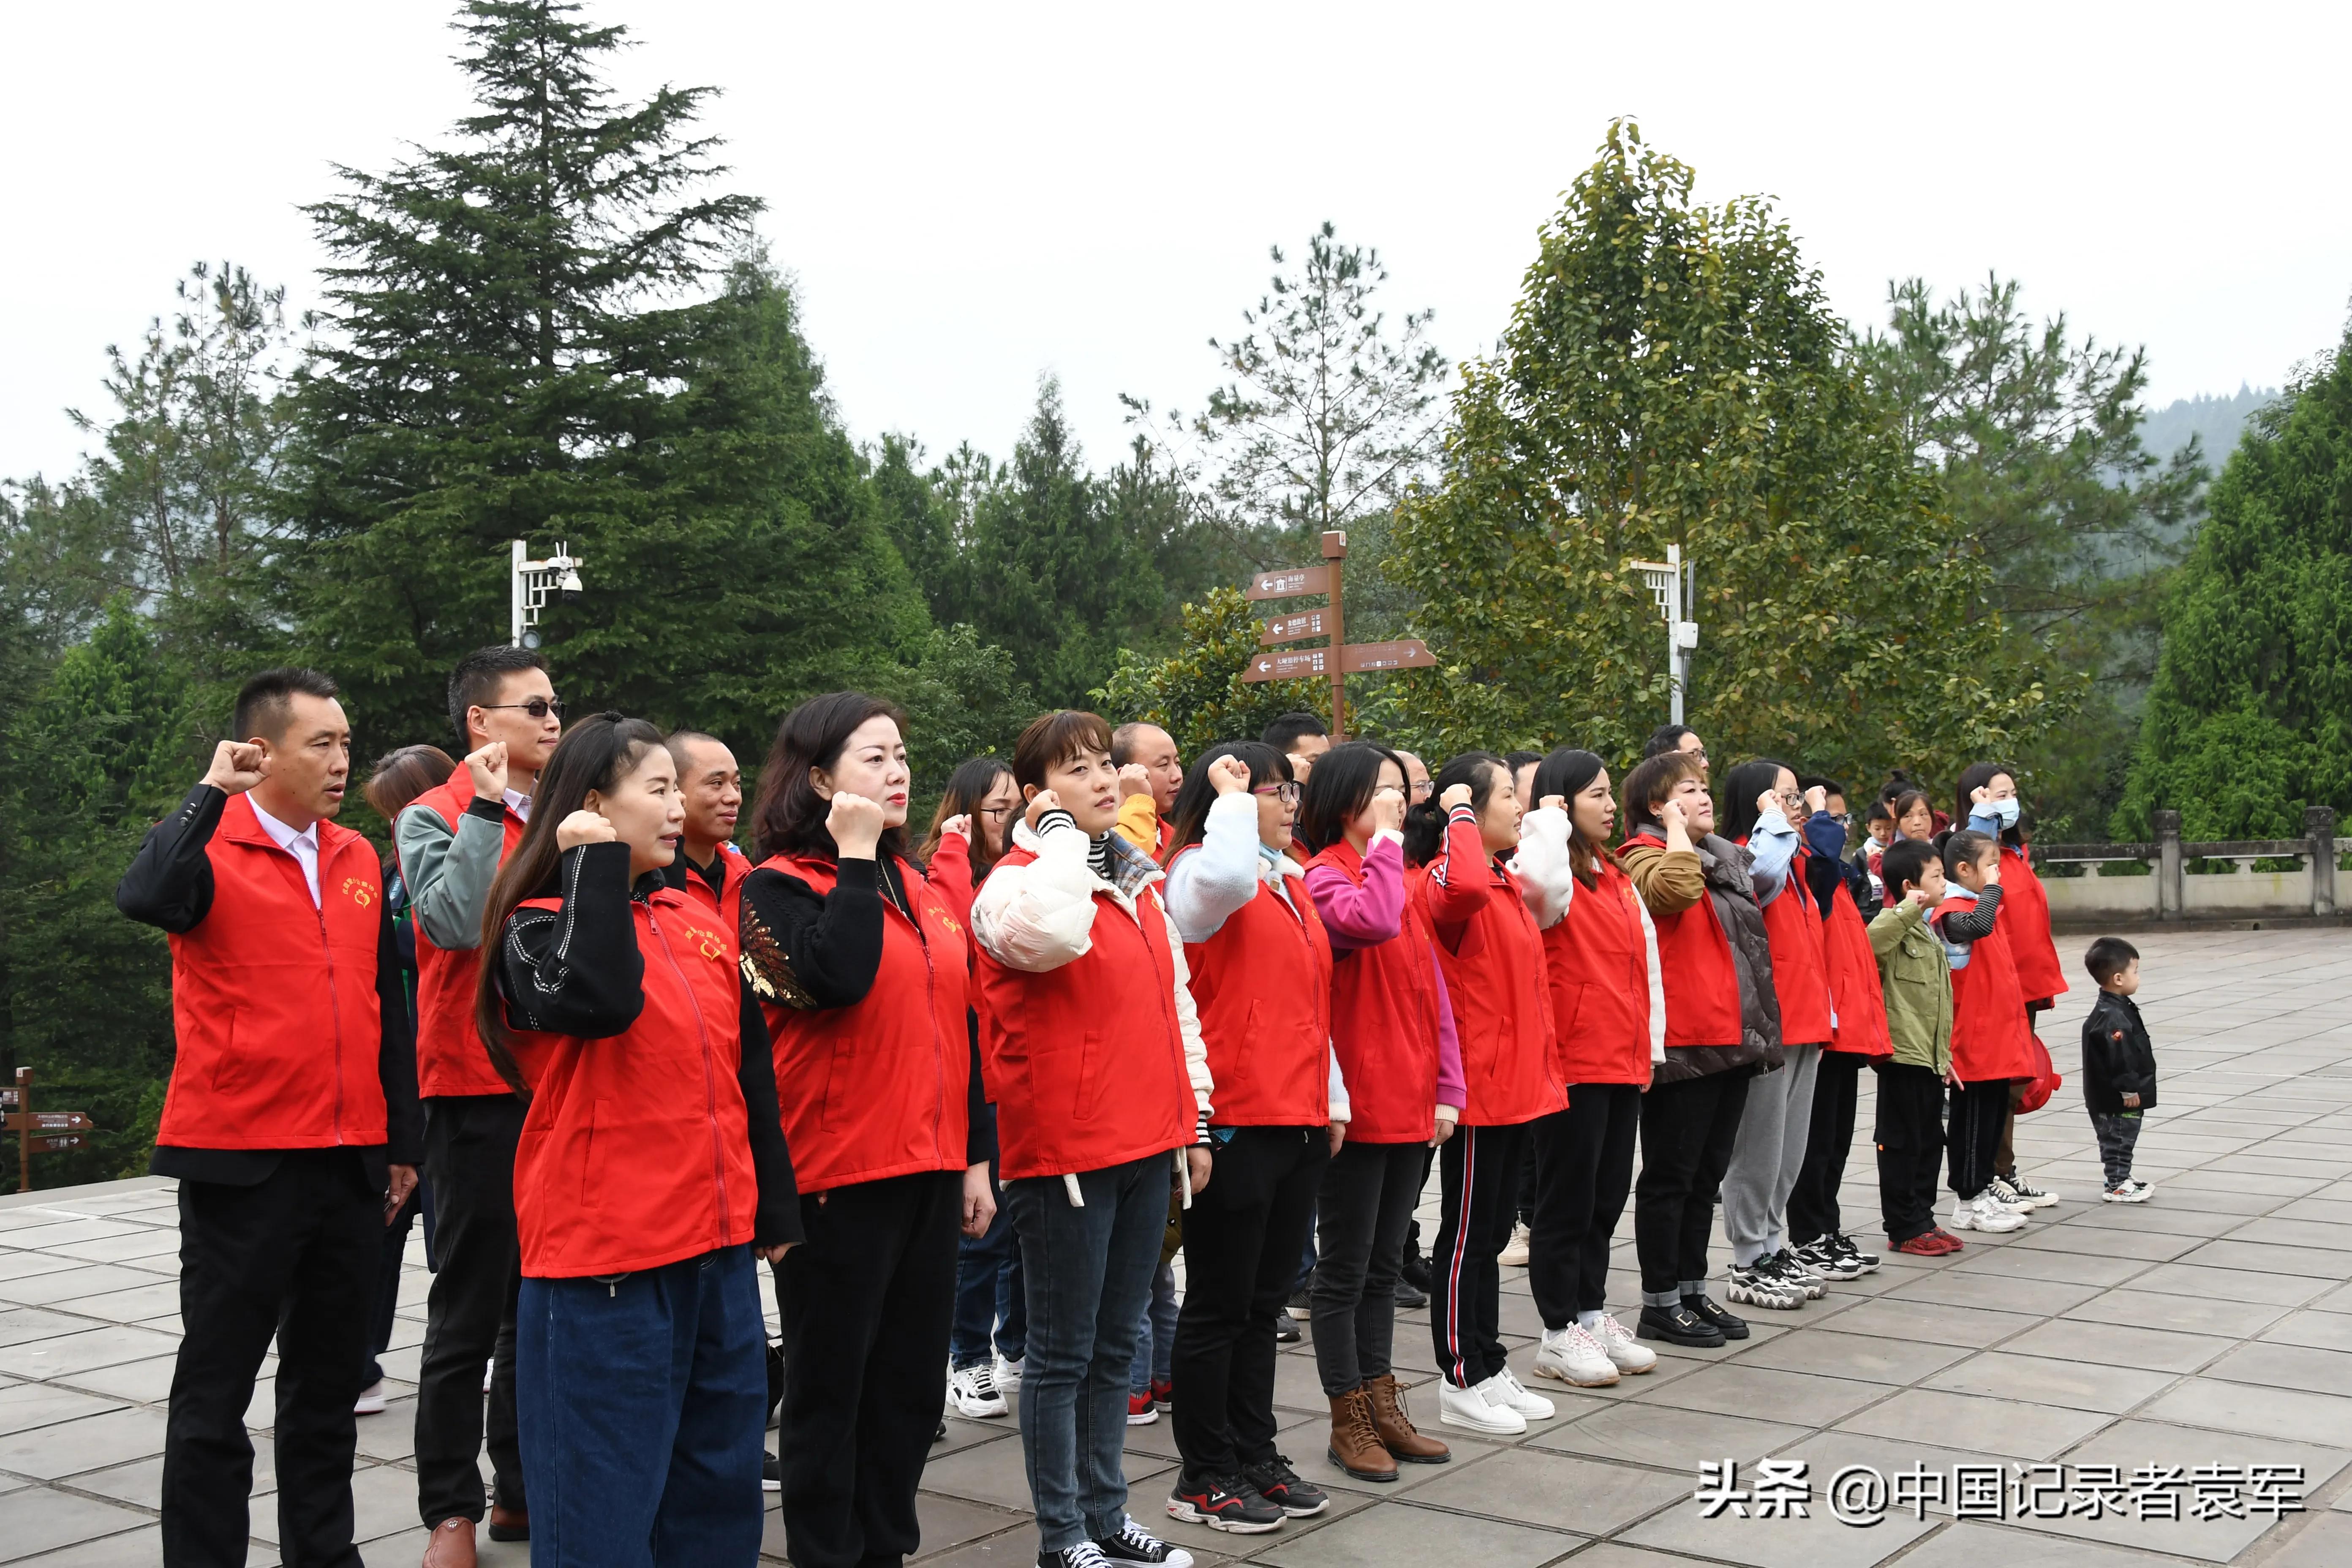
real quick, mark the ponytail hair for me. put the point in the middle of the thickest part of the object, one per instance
(1425, 825)
(595, 755)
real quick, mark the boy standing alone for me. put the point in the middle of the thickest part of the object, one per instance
(2118, 1066)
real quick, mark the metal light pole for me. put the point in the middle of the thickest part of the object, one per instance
(531, 582)
(1670, 584)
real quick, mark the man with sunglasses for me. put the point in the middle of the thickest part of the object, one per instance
(451, 842)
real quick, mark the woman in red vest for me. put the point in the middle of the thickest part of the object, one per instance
(1989, 804)
(1600, 957)
(1492, 957)
(970, 830)
(1102, 1092)
(649, 1169)
(863, 971)
(1722, 1023)
(1991, 1047)
(1393, 1033)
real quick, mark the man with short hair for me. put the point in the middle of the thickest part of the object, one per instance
(451, 841)
(291, 1123)
(1674, 738)
(1300, 737)
(1145, 756)
(709, 868)
(1418, 785)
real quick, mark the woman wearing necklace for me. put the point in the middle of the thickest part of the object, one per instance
(863, 972)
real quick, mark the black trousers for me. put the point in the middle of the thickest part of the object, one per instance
(1813, 1201)
(1909, 1134)
(469, 1315)
(387, 1286)
(296, 1255)
(1366, 1203)
(1242, 1239)
(867, 1302)
(1687, 1128)
(1979, 1111)
(1584, 1168)
(1478, 1183)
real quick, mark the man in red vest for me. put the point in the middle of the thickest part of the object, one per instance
(708, 869)
(451, 842)
(1145, 756)
(291, 1121)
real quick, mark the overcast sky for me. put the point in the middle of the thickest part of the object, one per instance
(972, 196)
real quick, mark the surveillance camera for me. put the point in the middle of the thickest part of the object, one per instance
(570, 583)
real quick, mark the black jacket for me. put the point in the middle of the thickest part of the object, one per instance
(2118, 1058)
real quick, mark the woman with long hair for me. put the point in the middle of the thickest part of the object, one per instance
(864, 973)
(649, 1169)
(1989, 804)
(1601, 961)
(1723, 1023)
(970, 829)
(1492, 956)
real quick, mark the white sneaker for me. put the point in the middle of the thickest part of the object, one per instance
(2009, 1198)
(974, 1391)
(1470, 1409)
(1515, 1251)
(1505, 1389)
(2130, 1192)
(371, 1401)
(2030, 1194)
(1574, 1356)
(1985, 1212)
(1008, 1377)
(1624, 1352)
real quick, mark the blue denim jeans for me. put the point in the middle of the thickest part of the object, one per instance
(1155, 1343)
(989, 1295)
(1088, 1275)
(641, 1400)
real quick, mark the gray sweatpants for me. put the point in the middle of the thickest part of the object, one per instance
(1767, 1154)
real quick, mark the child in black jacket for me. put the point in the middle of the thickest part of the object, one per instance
(2118, 1066)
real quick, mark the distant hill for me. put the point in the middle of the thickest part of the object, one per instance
(2218, 420)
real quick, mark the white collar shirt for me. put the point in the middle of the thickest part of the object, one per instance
(302, 846)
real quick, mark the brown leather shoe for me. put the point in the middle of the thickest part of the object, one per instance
(510, 1523)
(452, 1545)
(1398, 1434)
(1356, 1442)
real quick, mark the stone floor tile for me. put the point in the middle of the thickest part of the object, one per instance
(2148, 1218)
(137, 1245)
(25, 1325)
(1669, 1439)
(1895, 1318)
(1404, 1535)
(63, 1231)
(995, 1473)
(1815, 1541)
(2312, 1369)
(2010, 1427)
(2034, 1298)
(14, 1266)
(42, 1520)
(1808, 1399)
(2321, 1331)
(1558, 1492)
(27, 1406)
(2150, 1246)
(65, 1354)
(71, 1279)
(2032, 1263)
(152, 1297)
(148, 1382)
(1864, 1356)
(2047, 1380)
(383, 1502)
(91, 1443)
(2279, 1289)
(1972, 1546)
(2135, 1306)
(2323, 1540)
(2291, 1414)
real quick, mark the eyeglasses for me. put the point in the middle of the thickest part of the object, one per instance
(538, 707)
(996, 813)
(1423, 788)
(1286, 792)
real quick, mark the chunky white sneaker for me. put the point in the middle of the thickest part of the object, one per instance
(1515, 1251)
(1984, 1212)
(1468, 1408)
(1008, 1377)
(371, 1401)
(1574, 1356)
(2130, 1192)
(1624, 1352)
(1505, 1389)
(974, 1391)
(1757, 1285)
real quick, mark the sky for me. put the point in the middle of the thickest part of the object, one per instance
(971, 197)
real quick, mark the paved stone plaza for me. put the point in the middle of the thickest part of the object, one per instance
(2211, 1327)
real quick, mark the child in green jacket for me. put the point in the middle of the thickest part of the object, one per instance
(1917, 978)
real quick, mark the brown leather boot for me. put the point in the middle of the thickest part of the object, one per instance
(452, 1544)
(1398, 1434)
(1355, 1441)
(510, 1523)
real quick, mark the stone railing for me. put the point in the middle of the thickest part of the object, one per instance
(2170, 879)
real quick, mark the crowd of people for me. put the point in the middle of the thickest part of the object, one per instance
(970, 1098)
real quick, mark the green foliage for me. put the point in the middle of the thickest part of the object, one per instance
(2250, 718)
(1672, 373)
(1197, 694)
(961, 700)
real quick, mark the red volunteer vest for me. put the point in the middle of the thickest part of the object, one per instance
(1385, 1023)
(950, 875)
(728, 902)
(1600, 970)
(274, 998)
(1854, 982)
(2025, 900)
(1085, 1062)
(636, 1152)
(1262, 986)
(1990, 1039)
(1701, 983)
(450, 1055)
(1502, 1000)
(1800, 969)
(878, 1090)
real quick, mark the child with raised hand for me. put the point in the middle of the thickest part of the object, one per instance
(1990, 1044)
(1916, 977)
(2118, 1066)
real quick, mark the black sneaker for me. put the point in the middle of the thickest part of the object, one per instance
(1784, 1263)
(941, 1434)
(1084, 1554)
(1863, 1262)
(1221, 1502)
(1280, 1485)
(1415, 1269)
(1302, 1300)
(1133, 1543)
(772, 1473)
(1705, 1305)
(1407, 1297)
(1678, 1325)
(1286, 1329)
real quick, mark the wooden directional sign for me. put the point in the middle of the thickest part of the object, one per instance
(1407, 653)
(1312, 662)
(1292, 628)
(48, 1121)
(1288, 582)
(58, 1143)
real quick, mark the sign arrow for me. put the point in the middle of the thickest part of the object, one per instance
(1288, 582)
(1298, 666)
(1292, 628)
(1406, 653)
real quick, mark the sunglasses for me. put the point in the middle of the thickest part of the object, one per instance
(538, 707)
(1286, 792)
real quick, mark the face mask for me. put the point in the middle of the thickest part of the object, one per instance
(2004, 809)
